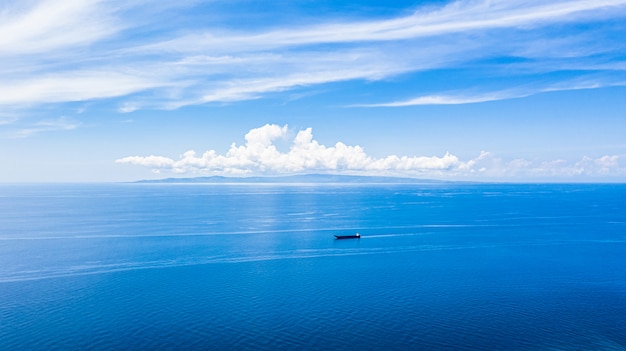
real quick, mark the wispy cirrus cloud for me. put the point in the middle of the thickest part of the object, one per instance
(45, 26)
(260, 155)
(79, 50)
(456, 17)
(75, 86)
(446, 100)
(470, 97)
(53, 125)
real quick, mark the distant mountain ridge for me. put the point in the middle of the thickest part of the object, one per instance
(304, 178)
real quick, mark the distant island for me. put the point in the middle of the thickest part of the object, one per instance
(304, 178)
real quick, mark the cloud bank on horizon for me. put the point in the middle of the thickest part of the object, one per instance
(262, 156)
(60, 52)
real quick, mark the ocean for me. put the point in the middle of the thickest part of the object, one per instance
(448, 266)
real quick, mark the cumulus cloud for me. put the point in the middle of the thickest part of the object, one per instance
(605, 165)
(490, 166)
(260, 155)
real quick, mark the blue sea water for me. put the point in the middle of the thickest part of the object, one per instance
(255, 267)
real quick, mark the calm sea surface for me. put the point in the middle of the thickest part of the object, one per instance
(255, 267)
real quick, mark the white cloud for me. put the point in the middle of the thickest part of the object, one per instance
(155, 162)
(459, 98)
(53, 125)
(80, 50)
(489, 166)
(42, 26)
(443, 100)
(605, 165)
(78, 86)
(261, 156)
(457, 17)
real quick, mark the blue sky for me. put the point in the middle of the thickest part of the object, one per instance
(463, 90)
